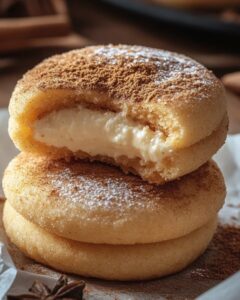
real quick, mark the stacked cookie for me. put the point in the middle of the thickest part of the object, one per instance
(114, 180)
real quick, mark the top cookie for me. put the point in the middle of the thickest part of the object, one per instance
(128, 105)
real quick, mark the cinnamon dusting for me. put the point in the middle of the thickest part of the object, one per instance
(222, 257)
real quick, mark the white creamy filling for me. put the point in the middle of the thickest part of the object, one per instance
(100, 133)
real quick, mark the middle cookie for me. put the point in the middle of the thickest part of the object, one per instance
(97, 203)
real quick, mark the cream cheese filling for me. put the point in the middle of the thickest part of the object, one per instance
(101, 133)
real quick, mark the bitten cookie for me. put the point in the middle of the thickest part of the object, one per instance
(154, 113)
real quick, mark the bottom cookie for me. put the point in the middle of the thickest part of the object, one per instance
(120, 262)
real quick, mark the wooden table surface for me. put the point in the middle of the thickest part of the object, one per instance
(99, 23)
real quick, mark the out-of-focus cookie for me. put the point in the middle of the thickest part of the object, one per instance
(198, 3)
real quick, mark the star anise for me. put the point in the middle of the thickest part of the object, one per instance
(62, 290)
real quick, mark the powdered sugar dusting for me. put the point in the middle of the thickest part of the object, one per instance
(168, 64)
(107, 194)
(98, 186)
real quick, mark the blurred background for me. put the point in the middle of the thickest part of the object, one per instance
(206, 30)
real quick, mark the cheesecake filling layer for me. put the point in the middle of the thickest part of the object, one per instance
(101, 133)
